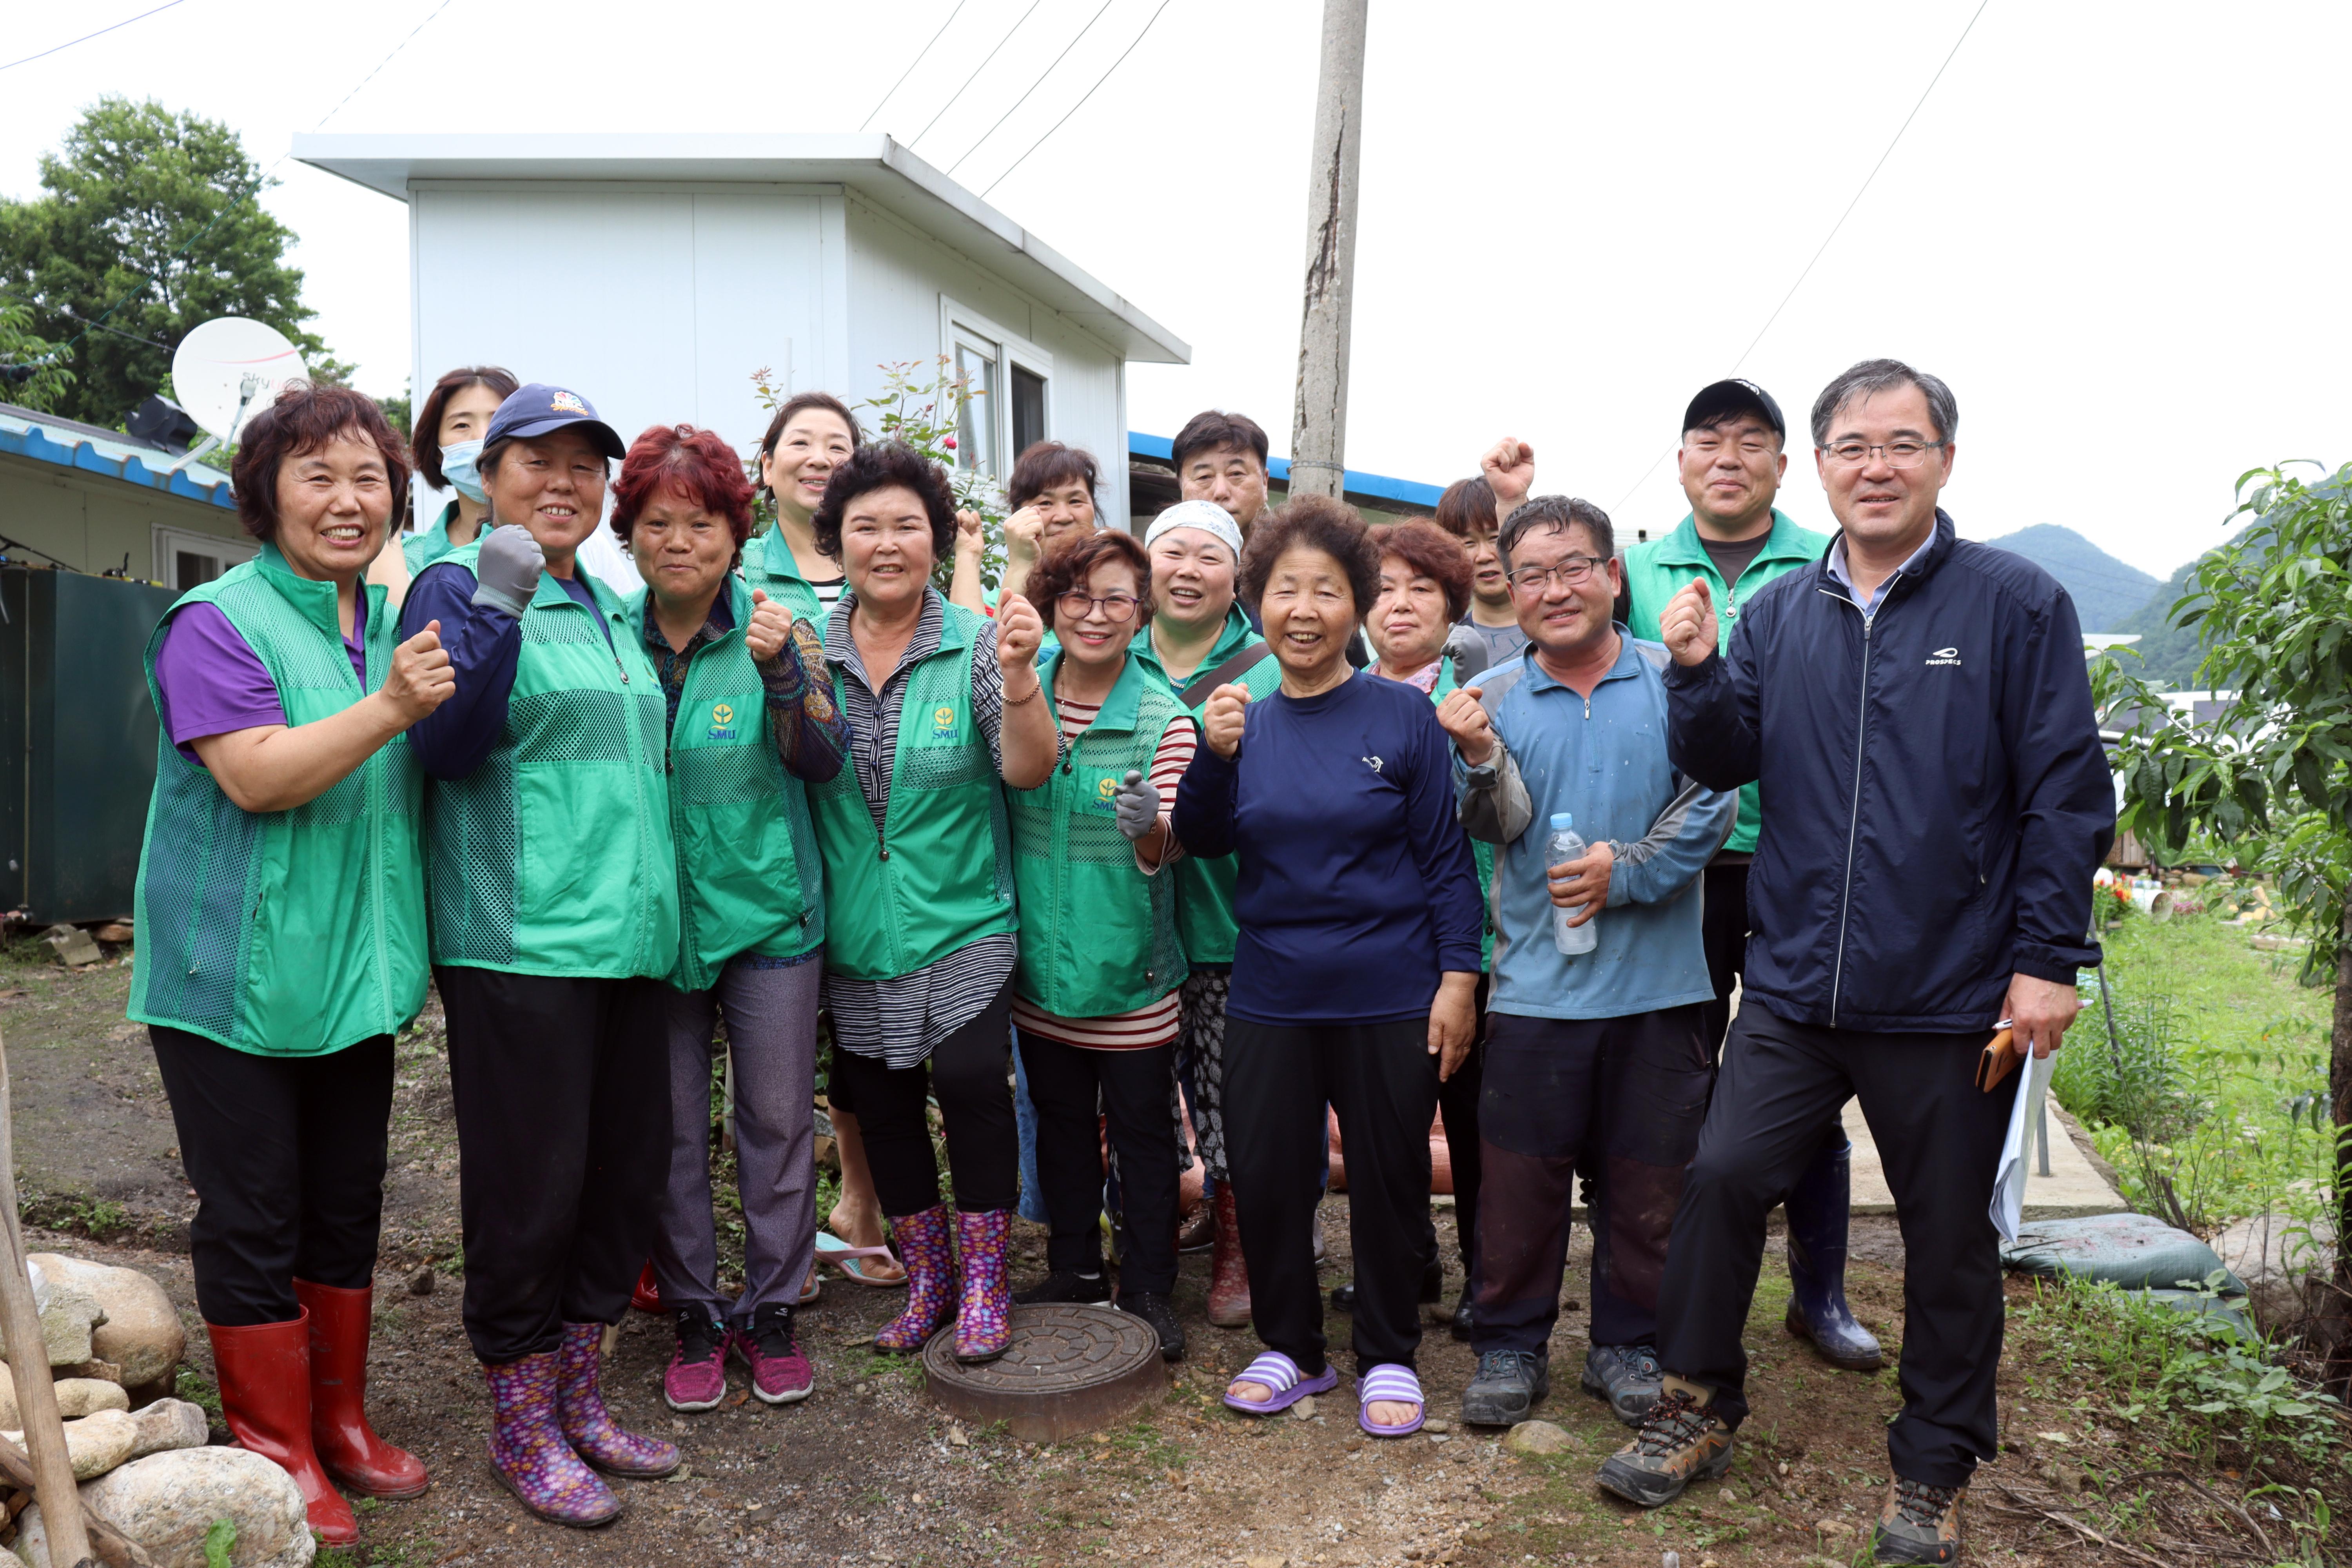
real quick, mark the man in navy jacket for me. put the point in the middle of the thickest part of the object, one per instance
(1915, 711)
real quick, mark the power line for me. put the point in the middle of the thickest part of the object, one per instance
(926, 49)
(976, 71)
(1033, 86)
(1859, 190)
(1076, 106)
(85, 38)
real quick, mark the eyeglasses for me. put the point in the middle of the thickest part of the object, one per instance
(1573, 571)
(1078, 606)
(1899, 454)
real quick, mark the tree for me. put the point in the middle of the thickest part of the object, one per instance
(2271, 773)
(156, 210)
(31, 375)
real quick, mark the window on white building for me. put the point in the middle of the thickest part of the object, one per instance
(1013, 380)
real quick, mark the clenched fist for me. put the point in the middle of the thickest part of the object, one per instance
(1022, 530)
(1464, 717)
(1688, 628)
(970, 539)
(421, 678)
(1510, 468)
(1222, 719)
(1135, 805)
(771, 627)
(1018, 633)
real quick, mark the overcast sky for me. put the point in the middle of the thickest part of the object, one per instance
(2116, 230)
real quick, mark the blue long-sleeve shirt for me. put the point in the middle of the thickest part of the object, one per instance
(1605, 760)
(1356, 888)
(484, 644)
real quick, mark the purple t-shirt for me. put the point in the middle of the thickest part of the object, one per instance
(212, 681)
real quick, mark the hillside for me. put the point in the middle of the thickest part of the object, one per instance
(2106, 591)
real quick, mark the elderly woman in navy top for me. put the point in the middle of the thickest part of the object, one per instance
(1357, 967)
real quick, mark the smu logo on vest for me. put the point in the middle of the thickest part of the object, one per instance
(722, 721)
(943, 723)
(1105, 796)
(1944, 656)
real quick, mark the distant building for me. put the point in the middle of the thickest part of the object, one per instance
(85, 500)
(1151, 484)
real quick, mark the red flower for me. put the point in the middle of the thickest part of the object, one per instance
(948, 443)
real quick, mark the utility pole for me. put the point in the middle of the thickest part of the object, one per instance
(1318, 424)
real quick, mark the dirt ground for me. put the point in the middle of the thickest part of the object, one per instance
(865, 1470)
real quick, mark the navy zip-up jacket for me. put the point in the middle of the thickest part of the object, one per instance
(1934, 796)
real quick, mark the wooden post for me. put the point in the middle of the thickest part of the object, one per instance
(28, 1365)
(1318, 425)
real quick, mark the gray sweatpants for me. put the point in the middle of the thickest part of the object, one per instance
(772, 1028)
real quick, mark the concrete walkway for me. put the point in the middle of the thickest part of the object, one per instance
(2073, 1185)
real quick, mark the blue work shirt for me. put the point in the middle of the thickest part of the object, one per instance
(1605, 760)
(485, 645)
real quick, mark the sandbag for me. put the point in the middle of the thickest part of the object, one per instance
(2131, 1250)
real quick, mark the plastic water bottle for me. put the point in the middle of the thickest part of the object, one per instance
(1565, 845)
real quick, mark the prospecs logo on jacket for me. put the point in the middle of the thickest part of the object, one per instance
(1944, 656)
(943, 723)
(722, 721)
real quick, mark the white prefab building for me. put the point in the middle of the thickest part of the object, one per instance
(655, 275)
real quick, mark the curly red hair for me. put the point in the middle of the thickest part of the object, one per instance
(696, 465)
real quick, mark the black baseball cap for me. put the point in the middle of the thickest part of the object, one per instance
(1713, 403)
(538, 408)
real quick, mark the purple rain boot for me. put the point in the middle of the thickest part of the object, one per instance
(528, 1454)
(984, 1326)
(927, 1250)
(588, 1426)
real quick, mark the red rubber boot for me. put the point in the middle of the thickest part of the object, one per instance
(264, 1394)
(347, 1447)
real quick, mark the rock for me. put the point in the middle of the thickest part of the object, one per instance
(170, 1424)
(1833, 1526)
(421, 1283)
(67, 1320)
(96, 1443)
(80, 1396)
(1539, 1437)
(166, 1502)
(958, 1437)
(1266, 1563)
(114, 930)
(2284, 1262)
(1438, 1427)
(1304, 1410)
(71, 945)
(141, 1332)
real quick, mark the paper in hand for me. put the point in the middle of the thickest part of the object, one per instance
(2009, 1179)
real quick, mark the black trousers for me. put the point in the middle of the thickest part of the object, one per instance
(287, 1155)
(563, 1133)
(1382, 1082)
(1939, 1138)
(970, 1072)
(1457, 1104)
(1723, 931)
(1624, 1097)
(1067, 1083)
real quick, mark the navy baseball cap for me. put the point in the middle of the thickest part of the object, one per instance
(1714, 401)
(539, 408)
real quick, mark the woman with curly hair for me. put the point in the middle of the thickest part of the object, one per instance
(1357, 965)
(945, 709)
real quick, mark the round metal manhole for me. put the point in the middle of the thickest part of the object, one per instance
(1072, 1368)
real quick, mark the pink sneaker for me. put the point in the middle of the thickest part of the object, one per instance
(779, 1373)
(697, 1378)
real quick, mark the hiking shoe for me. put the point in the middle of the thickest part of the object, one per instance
(1062, 1285)
(1626, 1376)
(697, 1378)
(1158, 1312)
(1681, 1441)
(1918, 1523)
(1506, 1386)
(779, 1373)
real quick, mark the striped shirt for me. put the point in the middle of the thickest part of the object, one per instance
(901, 1020)
(1154, 1023)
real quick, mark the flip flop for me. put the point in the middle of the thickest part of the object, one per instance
(811, 1289)
(1277, 1371)
(832, 1249)
(1390, 1384)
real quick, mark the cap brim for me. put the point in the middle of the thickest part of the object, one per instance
(607, 439)
(1726, 397)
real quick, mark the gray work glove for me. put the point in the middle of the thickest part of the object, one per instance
(506, 571)
(1137, 805)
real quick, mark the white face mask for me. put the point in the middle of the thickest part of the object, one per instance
(457, 462)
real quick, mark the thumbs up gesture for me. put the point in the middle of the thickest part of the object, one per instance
(771, 627)
(1688, 628)
(1222, 719)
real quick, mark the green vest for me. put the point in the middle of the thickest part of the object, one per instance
(1657, 572)
(1097, 934)
(747, 862)
(769, 567)
(1480, 851)
(284, 933)
(940, 875)
(554, 857)
(1205, 888)
(422, 550)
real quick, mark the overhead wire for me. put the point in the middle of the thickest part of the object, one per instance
(1033, 86)
(85, 38)
(1076, 106)
(976, 71)
(919, 54)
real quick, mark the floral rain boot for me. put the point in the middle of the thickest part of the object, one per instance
(528, 1454)
(591, 1430)
(984, 1326)
(926, 1248)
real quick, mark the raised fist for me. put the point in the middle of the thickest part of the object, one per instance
(1510, 466)
(1464, 718)
(1222, 716)
(421, 678)
(1023, 530)
(1688, 628)
(771, 627)
(1018, 633)
(508, 569)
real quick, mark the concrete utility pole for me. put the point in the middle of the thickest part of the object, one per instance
(1318, 424)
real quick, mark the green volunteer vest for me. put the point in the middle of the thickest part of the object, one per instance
(748, 871)
(939, 876)
(768, 565)
(422, 550)
(1098, 935)
(284, 933)
(1205, 888)
(554, 857)
(1480, 851)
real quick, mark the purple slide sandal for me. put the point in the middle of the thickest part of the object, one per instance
(1277, 1371)
(1390, 1382)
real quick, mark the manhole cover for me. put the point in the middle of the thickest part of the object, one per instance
(1071, 1369)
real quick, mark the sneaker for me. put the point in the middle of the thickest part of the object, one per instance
(1160, 1314)
(1626, 1376)
(1918, 1523)
(779, 1373)
(1506, 1386)
(697, 1378)
(1681, 1441)
(1063, 1285)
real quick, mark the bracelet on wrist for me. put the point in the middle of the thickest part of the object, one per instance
(1036, 689)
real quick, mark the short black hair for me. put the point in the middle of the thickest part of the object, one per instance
(1314, 522)
(1559, 513)
(879, 466)
(1875, 375)
(1214, 431)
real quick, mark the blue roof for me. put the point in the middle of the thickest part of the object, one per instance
(1412, 492)
(25, 434)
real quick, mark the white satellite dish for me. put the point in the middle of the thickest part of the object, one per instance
(228, 369)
